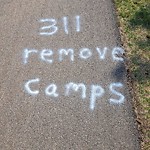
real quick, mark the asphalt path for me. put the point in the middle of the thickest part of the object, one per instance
(63, 81)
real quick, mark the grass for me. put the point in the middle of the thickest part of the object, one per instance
(134, 24)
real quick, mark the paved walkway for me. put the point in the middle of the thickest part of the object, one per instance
(62, 77)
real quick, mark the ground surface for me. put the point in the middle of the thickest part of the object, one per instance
(44, 122)
(134, 18)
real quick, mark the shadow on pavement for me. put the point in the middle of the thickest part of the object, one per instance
(119, 72)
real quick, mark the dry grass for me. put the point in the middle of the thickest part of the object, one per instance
(134, 18)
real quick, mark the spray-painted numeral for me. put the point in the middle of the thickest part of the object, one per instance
(65, 21)
(52, 28)
(78, 23)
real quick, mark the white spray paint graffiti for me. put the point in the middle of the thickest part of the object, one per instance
(28, 88)
(26, 54)
(51, 90)
(96, 91)
(78, 23)
(84, 53)
(102, 54)
(50, 27)
(46, 53)
(117, 52)
(76, 87)
(66, 52)
(121, 97)
(65, 20)
(53, 28)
